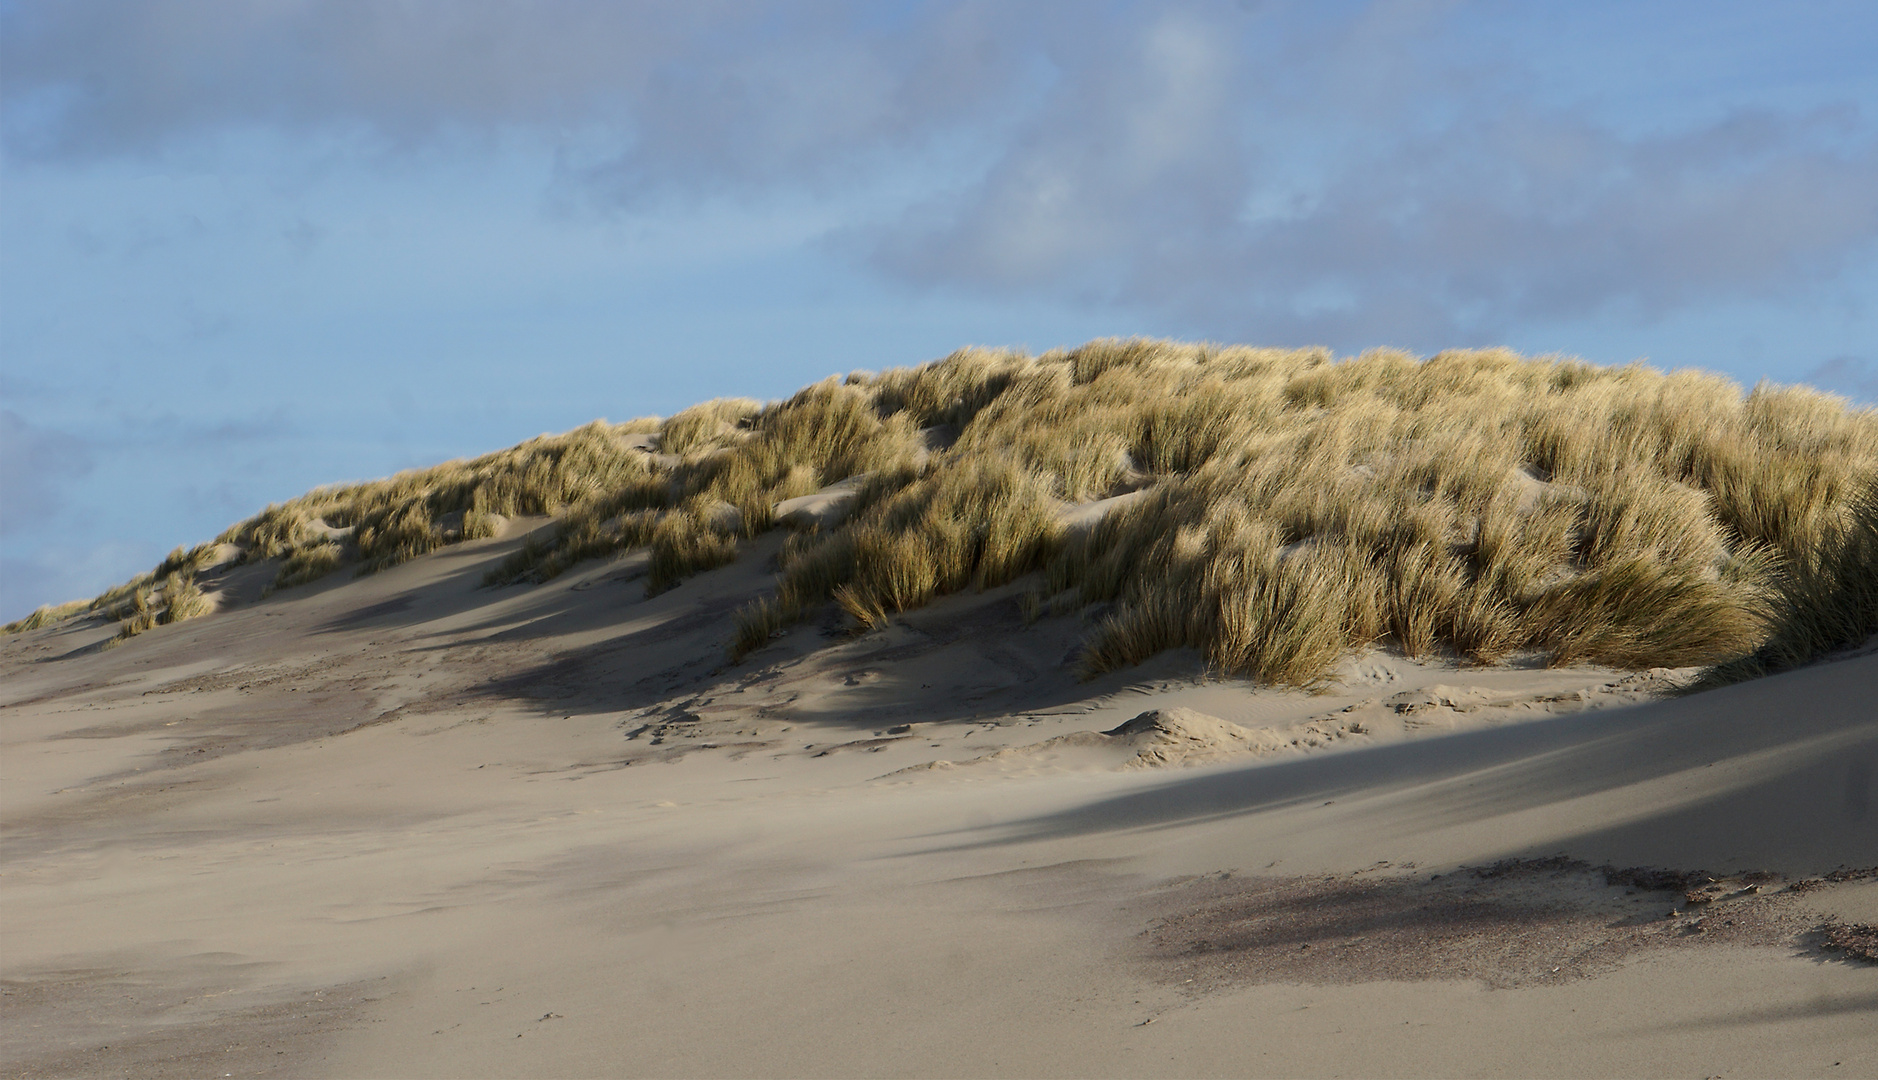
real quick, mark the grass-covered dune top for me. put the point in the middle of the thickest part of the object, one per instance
(1283, 508)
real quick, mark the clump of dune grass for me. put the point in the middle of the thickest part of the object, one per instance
(708, 425)
(183, 599)
(140, 616)
(382, 523)
(688, 543)
(1286, 507)
(177, 599)
(46, 615)
(378, 524)
(167, 594)
(691, 508)
(309, 563)
(1823, 601)
(1293, 508)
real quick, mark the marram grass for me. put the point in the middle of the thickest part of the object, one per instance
(1286, 508)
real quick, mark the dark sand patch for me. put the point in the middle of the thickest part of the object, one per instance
(1515, 923)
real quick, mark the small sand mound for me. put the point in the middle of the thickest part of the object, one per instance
(1458, 698)
(1161, 738)
(1181, 736)
(825, 508)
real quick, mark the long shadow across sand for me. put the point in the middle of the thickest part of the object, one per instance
(1740, 773)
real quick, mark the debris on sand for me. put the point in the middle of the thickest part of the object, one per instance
(1856, 941)
(1182, 736)
(1656, 879)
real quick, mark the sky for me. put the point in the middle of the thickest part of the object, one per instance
(248, 247)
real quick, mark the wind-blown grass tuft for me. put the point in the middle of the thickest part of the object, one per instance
(47, 615)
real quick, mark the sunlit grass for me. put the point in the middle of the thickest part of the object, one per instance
(1291, 508)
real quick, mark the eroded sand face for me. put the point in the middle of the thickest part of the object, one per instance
(403, 825)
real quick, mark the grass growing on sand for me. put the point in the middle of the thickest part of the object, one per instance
(1824, 600)
(167, 594)
(1292, 509)
(382, 523)
(46, 615)
(1283, 508)
(177, 599)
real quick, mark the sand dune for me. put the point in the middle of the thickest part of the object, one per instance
(407, 825)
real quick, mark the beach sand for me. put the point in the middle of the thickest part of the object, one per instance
(404, 825)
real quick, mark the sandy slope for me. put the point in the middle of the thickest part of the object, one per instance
(403, 825)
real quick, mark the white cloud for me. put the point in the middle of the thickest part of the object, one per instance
(1343, 173)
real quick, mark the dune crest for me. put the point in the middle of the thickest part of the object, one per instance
(1277, 511)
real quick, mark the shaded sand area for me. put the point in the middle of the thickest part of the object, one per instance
(406, 825)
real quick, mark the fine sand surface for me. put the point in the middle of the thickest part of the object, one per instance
(407, 826)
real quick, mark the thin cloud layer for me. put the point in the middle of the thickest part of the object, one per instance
(1291, 172)
(1852, 376)
(1395, 206)
(35, 463)
(760, 93)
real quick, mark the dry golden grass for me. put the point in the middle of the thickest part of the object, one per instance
(687, 543)
(1822, 601)
(140, 603)
(46, 615)
(1291, 507)
(178, 599)
(707, 426)
(382, 523)
(308, 563)
(183, 599)
(1298, 508)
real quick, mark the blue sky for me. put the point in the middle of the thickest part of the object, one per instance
(251, 247)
